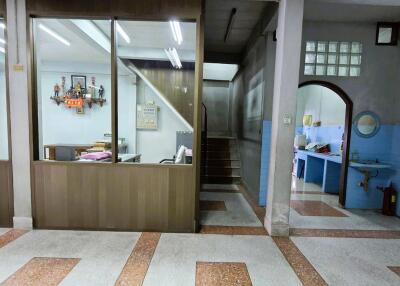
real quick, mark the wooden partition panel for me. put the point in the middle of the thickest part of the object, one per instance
(5, 194)
(113, 196)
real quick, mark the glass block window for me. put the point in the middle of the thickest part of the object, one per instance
(333, 58)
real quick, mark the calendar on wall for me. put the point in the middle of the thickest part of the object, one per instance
(147, 117)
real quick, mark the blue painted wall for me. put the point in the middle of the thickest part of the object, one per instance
(385, 147)
(265, 155)
(331, 134)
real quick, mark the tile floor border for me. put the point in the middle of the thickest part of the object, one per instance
(10, 236)
(303, 268)
(137, 265)
(233, 230)
(345, 233)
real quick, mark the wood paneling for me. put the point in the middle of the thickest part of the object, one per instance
(162, 9)
(5, 194)
(114, 196)
(177, 87)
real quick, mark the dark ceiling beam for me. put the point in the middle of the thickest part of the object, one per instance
(221, 58)
(260, 28)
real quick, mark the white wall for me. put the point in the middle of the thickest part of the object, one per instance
(322, 103)
(62, 125)
(3, 119)
(161, 143)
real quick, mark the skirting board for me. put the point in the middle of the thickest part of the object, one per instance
(23, 222)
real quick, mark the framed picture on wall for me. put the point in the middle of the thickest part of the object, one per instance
(78, 81)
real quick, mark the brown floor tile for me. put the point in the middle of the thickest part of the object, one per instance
(212, 206)
(395, 269)
(300, 264)
(307, 232)
(222, 274)
(10, 236)
(233, 230)
(220, 191)
(315, 208)
(42, 271)
(136, 267)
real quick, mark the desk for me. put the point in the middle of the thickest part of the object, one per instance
(319, 168)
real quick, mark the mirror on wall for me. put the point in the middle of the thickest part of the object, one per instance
(366, 124)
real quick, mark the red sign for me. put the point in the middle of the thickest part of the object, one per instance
(74, 102)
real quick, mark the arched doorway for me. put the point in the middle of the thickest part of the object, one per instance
(346, 133)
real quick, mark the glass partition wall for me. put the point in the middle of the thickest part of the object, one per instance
(155, 64)
(4, 155)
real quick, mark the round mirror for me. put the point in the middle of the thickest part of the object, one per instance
(366, 124)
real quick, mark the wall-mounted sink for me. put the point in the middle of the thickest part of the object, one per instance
(366, 168)
(369, 165)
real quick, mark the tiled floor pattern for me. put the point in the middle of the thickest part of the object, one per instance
(42, 271)
(353, 219)
(173, 259)
(314, 208)
(222, 273)
(303, 268)
(238, 210)
(381, 234)
(10, 235)
(212, 206)
(352, 261)
(138, 263)
(233, 230)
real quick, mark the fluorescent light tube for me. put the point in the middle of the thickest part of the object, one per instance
(2, 26)
(54, 35)
(176, 31)
(171, 59)
(2, 41)
(123, 33)
(176, 58)
(172, 55)
(2, 50)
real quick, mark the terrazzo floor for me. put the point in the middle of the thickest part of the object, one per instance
(352, 219)
(43, 257)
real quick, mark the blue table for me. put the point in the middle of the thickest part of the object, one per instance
(320, 169)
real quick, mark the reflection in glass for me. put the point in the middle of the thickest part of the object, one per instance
(3, 99)
(73, 73)
(156, 91)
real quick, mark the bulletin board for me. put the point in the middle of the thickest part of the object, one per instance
(147, 117)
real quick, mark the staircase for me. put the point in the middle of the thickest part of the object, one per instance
(222, 164)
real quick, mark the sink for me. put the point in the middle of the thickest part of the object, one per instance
(369, 165)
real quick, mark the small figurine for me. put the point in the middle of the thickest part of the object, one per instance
(101, 92)
(56, 90)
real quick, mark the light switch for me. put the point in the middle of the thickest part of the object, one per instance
(287, 120)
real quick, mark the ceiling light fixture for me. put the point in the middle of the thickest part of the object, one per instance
(230, 24)
(54, 35)
(173, 56)
(176, 31)
(123, 33)
(2, 26)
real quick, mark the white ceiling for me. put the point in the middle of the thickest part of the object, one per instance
(145, 36)
(317, 10)
(213, 71)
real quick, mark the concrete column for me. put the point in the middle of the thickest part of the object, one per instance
(287, 65)
(19, 112)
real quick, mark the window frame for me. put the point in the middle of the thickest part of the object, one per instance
(33, 91)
